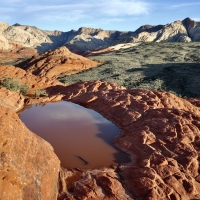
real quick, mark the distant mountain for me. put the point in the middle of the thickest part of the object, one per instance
(88, 39)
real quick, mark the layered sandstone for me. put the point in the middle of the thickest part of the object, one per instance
(59, 62)
(84, 39)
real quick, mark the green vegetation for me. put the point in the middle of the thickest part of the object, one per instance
(172, 67)
(14, 85)
(41, 93)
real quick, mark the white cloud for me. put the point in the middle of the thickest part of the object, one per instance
(124, 8)
(62, 16)
(185, 5)
(111, 8)
(196, 19)
(118, 19)
(81, 11)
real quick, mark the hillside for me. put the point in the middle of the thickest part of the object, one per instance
(87, 39)
(173, 67)
(56, 63)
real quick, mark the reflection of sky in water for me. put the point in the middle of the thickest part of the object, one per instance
(73, 112)
(74, 131)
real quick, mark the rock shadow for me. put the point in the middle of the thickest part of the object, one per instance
(179, 78)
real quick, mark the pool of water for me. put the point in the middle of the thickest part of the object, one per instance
(81, 138)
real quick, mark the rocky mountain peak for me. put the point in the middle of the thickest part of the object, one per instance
(58, 62)
(61, 50)
(89, 30)
(84, 39)
(149, 28)
(3, 26)
(17, 24)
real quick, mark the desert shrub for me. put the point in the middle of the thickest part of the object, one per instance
(24, 88)
(14, 85)
(41, 93)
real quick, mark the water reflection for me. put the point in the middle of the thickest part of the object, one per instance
(80, 137)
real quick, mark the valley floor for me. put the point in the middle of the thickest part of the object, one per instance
(173, 67)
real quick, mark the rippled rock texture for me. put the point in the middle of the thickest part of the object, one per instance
(159, 131)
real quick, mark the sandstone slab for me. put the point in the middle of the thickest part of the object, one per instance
(28, 166)
(160, 132)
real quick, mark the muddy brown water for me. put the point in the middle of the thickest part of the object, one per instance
(81, 138)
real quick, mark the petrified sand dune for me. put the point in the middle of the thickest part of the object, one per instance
(160, 132)
(57, 63)
(34, 82)
(28, 166)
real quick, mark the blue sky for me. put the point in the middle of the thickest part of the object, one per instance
(122, 15)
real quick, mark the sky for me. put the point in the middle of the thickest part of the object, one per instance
(122, 15)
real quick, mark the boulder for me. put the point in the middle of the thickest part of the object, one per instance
(28, 165)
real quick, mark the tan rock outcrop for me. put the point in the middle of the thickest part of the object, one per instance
(84, 39)
(57, 63)
(28, 36)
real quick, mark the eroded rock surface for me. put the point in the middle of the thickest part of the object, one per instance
(28, 166)
(34, 82)
(84, 39)
(11, 99)
(57, 63)
(159, 130)
(96, 184)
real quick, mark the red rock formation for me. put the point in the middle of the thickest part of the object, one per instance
(28, 166)
(34, 82)
(11, 99)
(194, 101)
(159, 130)
(16, 54)
(57, 63)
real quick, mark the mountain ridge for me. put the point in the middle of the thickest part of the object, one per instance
(88, 39)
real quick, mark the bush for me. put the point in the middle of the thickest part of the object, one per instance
(13, 84)
(24, 88)
(41, 93)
